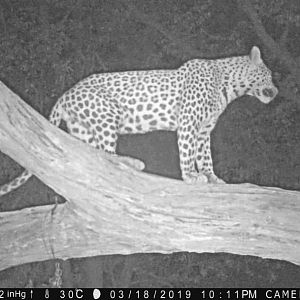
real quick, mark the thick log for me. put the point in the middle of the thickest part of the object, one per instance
(113, 208)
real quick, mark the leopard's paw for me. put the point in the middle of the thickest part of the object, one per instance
(212, 178)
(194, 177)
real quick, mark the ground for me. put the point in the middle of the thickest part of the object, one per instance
(182, 269)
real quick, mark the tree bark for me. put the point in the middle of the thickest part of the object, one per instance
(113, 208)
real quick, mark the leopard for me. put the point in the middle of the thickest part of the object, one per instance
(188, 100)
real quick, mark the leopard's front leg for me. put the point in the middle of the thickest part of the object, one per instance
(187, 144)
(196, 119)
(203, 157)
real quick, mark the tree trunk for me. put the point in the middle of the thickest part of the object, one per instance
(113, 208)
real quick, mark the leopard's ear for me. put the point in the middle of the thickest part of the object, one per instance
(255, 55)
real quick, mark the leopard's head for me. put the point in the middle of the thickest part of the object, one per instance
(259, 78)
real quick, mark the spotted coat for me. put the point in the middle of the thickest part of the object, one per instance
(189, 99)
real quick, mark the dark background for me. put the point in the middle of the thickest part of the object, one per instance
(47, 46)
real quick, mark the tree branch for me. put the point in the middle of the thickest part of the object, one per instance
(113, 208)
(283, 38)
(282, 54)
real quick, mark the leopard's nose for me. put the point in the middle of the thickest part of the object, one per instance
(269, 93)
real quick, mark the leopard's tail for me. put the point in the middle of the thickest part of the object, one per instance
(54, 118)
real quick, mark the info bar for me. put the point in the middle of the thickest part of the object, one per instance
(148, 293)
